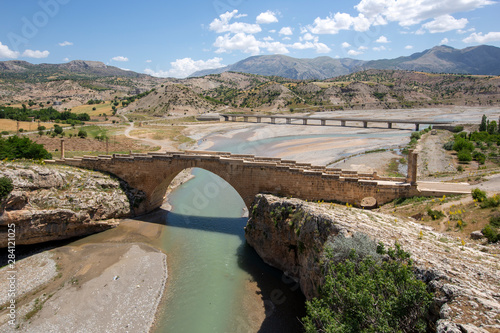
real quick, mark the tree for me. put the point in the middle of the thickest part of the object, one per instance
(82, 134)
(58, 129)
(483, 127)
(5, 187)
(492, 127)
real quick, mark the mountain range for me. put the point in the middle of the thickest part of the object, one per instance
(476, 60)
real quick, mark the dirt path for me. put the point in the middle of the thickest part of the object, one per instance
(432, 157)
(165, 145)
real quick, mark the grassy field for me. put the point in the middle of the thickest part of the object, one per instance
(100, 108)
(11, 125)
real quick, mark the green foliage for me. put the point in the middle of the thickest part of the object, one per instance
(449, 145)
(435, 214)
(18, 148)
(379, 95)
(491, 233)
(462, 144)
(5, 187)
(464, 156)
(58, 129)
(493, 201)
(478, 195)
(458, 129)
(492, 127)
(24, 114)
(479, 157)
(415, 135)
(495, 220)
(82, 134)
(482, 126)
(361, 294)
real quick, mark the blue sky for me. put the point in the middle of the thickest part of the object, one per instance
(165, 38)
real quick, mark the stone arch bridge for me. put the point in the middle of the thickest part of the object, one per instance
(249, 175)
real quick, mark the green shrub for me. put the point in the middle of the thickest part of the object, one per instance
(495, 220)
(462, 144)
(491, 233)
(449, 145)
(363, 295)
(464, 156)
(18, 148)
(478, 195)
(415, 135)
(82, 134)
(458, 129)
(493, 201)
(5, 187)
(435, 214)
(479, 157)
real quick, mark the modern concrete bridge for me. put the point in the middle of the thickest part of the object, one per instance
(249, 175)
(322, 120)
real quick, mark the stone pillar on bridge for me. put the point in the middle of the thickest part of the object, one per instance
(233, 118)
(62, 149)
(259, 119)
(389, 125)
(365, 124)
(417, 127)
(342, 123)
(304, 121)
(411, 176)
(273, 120)
(288, 120)
(323, 122)
(245, 119)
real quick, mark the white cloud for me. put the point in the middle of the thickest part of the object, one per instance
(66, 59)
(410, 12)
(363, 48)
(408, 47)
(275, 47)
(319, 47)
(184, 67)
(382, 39)
(5, 52)
(445, 23)
(308, 36)
(287, 38)
(379, 48)
(268, 39)
(345, 45)
(149, 60)
(238, 42)
(35, 54)
(65, 43)
(481, 39)
(465, 31)
(120, 58)
(444, 41)
(287, 31)
(339, 21)
(354, 52)
(221, 24)
(266, 17)
(272, 31)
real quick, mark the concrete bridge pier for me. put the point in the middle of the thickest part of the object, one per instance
(304, 121)
(365, 124)
(389, 125)
(288, 120)
(233, 118)
(342, 123)
(323, 122)
(417, 127)
(273, 120)
(245, 119)
(259, 119)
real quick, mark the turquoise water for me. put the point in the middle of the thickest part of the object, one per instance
(210, 266)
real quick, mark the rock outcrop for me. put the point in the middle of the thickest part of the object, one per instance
(291, 235)
(59, 202)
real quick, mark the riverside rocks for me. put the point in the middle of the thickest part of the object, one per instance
(291, 235)
(58, 202)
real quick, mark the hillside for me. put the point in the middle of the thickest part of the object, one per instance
(477, 60)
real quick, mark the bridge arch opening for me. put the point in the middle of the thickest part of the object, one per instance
(207, 190)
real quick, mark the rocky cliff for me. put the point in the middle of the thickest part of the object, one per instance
(291, 235)
(59, 202)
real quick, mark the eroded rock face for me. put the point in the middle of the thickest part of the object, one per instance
(59, 202)
(291, 234)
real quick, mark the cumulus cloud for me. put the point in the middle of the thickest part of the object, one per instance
(266, 17)
(35, 54)
(238, 42)
(149, 60)
(444, 41)
(379, 48)
(221, 24)
(354, 52)
(268, 39)
(363, 48)
(481, 39)
(445, 23)
(308, 36)
(339, 21)
(184, 67)
(65, 43)
(382, 39)
(66, 59)
(6, 52)
(345, 45)
(120, 58)
(318, 47)
(287, 31)
(408, 47)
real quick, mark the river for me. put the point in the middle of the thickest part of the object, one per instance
(217, 283)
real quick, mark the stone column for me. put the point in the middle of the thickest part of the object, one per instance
(323, 122)
(62, 149)
(417, 127)
(304, 121)
(273, 120)
(288, 120)
(411, 176)
(365, 124)
(342, 123)
(259, 119)
(389, 125)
